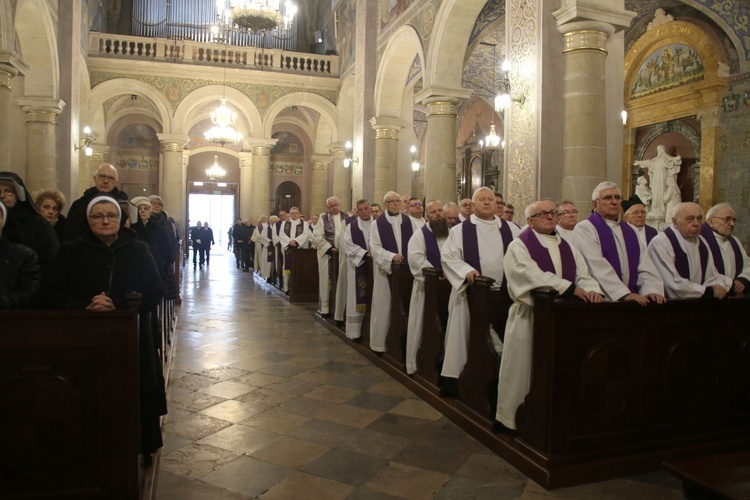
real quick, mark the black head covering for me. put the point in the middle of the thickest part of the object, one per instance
(634, 200)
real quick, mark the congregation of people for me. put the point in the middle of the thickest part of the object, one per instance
(612, 255)
(108, 246)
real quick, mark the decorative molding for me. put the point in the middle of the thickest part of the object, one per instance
(437, 108)
(261, 151)
(585, 40)
(386, 133)
(41, 116)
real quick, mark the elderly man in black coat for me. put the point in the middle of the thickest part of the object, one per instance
(94, 272)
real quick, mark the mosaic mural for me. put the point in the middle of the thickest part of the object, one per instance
(288, 155)
(137, 148)
(176, 89)
(667, 67)
(492, 11)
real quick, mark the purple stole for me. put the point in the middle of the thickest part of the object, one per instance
(388, 239)
(288, 252)
(681, 261)
(540, 254)
(609, 248)
(471, 245)
(432, 250)
(710, 237)
(360, 273)
(650, 233)
(329, 228)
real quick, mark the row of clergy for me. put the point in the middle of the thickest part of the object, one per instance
(601, 258)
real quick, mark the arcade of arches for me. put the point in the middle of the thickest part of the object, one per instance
(386, 76)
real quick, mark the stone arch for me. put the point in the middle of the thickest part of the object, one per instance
(185, 116)
(119, 86)
(393, 70)
(345, 106)
(37, 38)
(450, 37)
(729, 30)
(320, 104)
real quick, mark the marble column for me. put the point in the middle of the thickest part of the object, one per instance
(173, 187)
(386, 154)
(41, 144)
(260, 185)
(440, 149)
(246, 186)
(586, 28)
(710, 128)
(319, 189)
(341, 176)
(9, 68)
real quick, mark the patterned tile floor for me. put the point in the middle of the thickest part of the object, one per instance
(265, 403)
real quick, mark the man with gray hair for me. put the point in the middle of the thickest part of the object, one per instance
(327, 236)
(389, 240)
(730, 257)
(567, 218)
(105, 182)
(450, 210)
(681, 256)
(616, 257)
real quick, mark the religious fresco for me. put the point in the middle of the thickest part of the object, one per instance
(137, 148)
(347, 27)
(288, 155)
(491, 12)
(390, 10)
(667, 67)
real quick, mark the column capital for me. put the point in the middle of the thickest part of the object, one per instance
(386, 122)
(338, 150)
(253, 143)
(575, 15)
(442, 94)
(246, 159)
(709, 117)
(41, 105)
(172, 142)
(440, 107)
(10, 63)
(321, 159)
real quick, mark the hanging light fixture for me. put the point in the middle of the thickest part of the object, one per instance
(492, 141)
(253, 15)
(223, 118)
(215, 171)
(414, 159)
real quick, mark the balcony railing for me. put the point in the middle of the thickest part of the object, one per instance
(116, 46)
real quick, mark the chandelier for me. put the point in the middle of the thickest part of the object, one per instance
(215, 171)
(492, 141)
(223, 118)
(254, 15)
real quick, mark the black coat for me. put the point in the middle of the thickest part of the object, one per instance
(86, 267)
(77, 217)
(20, 276)
(157, 240)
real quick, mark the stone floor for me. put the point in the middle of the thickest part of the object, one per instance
(265, 403)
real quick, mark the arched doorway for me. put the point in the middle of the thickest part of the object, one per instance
(288, 195)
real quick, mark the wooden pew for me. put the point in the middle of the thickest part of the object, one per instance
(395, 342)
(278, 278)
(429, 357)
(333, 273)
(477, 384)
(304, 283)
(615, 385)
(69, 393)
(365, 338)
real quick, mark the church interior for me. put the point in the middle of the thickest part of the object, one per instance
(353, 99)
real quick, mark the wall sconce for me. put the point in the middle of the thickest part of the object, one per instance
(85, 142)
(504, 98)
(624, 115)
(414, 158)
(348, 159)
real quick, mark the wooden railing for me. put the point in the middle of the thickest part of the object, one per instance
(210, 54)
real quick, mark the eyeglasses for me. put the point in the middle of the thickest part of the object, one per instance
(103, 177)
(415, 205)
(726, 220)
(544, 214)
(111, 217)
(568, 212)
(610, 197)
(392, 201)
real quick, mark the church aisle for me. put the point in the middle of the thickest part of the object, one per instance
(266, 403)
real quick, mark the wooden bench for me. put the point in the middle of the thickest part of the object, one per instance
(437, 291)
(401, 282)
(69, 393)
(304, 283)
(725, 475)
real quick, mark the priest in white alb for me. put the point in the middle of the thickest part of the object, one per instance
(389, 240)
(681, 256)
(424, 251)
(356, 241)
(616, 257)
(729, 256)
(538, 258)
(327, 234)
(416, 212)
(263, 238)
(293, 234)
(635, 215)
(474, 248)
